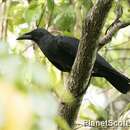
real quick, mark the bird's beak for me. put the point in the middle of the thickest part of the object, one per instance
(25, 36)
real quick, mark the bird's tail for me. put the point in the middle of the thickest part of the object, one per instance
(118, 80)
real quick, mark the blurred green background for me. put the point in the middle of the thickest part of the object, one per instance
(30, 86)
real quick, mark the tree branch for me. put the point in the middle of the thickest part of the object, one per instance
(79, 77)
(114, 27)
(112, 31)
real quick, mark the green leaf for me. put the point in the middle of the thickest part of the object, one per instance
(50, 4)
(15, 15)
(62, 123)
(98, 111)
(32, 14)
(65, 20)
(127, 108)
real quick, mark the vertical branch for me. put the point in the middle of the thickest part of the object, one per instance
(4, 21)
(86, 55)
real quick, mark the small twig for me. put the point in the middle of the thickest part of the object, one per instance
(119, 12)
(56, 31)
(78, 126)
(123, 58)
(118, 49)
(50, 18)
(104, 91)
(40, 19)
(113, 30)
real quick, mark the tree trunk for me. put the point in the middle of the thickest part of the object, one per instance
(79, 77)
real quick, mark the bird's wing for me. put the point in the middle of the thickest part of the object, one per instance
(68, 45)
(102, 62)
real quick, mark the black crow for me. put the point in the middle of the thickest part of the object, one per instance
(61, 52)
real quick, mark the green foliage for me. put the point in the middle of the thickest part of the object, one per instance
(50, 4)
(101, 114)
(65, 20)
(32, 13)
(96, 112)
(32, 78)
(17, 69)
(15, 10)
(62, 123)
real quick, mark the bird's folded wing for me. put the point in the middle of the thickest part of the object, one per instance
(68, 45)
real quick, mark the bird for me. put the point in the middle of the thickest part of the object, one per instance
(61, 52)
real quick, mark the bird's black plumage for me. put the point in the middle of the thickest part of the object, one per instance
(61, 52)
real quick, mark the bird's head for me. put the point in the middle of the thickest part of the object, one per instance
(34, 35)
